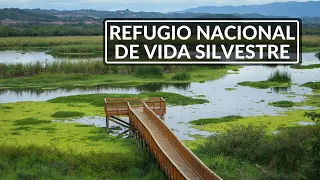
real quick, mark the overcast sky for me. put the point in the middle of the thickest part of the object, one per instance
(133, 5)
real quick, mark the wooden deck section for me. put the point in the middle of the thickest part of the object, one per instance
(175, 159)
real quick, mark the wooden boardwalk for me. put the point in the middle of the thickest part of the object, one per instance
(174, 158)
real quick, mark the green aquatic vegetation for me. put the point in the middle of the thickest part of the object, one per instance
(97, 99)
(29, 121)
(81, 143)
(312, 85)
(312, 100)
(97, 75)
(281, 77)
(283, 104)
(276, 79)
(5, 107)
(272, 123)
(264, 84)
(66, 114)
(216, 120)
(310, 66)
(22, 128)
(181, 76)
(230, 89)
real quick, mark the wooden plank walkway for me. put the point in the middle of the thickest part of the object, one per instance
(173, 157)
(165, 144)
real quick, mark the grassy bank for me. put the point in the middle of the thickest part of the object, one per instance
(34, 162)
(32, 146)
(93, 45)
(92, 75)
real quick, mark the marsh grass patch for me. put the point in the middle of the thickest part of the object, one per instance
(16, 133)
(4, 107)
(312, 85)
(67, 114)
(49, 129)
(29, 121)
(97, 99)
(216, 120)
(230, 89)
(279, 76)
(181, 76)
(23, 128)
(83, 125)
(282, 104)
(310, 66)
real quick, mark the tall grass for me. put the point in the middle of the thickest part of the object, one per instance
(44, 42)
(88, 67)
(278, 76)
(61, 67)
(147, 71)
(181, 76)
(34, 162)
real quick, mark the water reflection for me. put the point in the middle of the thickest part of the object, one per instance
(15, 95)
(154, 87)
(278, 90)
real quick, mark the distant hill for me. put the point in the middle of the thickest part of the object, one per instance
(22, 15)
(291, 8)
(13, 16)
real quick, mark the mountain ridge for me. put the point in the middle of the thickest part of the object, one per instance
(290, 8)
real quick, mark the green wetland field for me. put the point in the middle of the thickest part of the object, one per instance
(243, 122)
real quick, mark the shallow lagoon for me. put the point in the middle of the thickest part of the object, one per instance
(244, 101)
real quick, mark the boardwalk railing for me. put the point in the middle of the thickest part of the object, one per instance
(119, 106)
(194, 162)
(150, 109)
(169, 167)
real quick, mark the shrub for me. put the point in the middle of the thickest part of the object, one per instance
(145, 71)
(313, 115)
(181, 76)
(293, 151)
(238, 141)
(317, 55)
(281, 77)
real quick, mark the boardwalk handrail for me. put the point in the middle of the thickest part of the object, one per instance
(119, 106)
(170, 168)
(193, 161)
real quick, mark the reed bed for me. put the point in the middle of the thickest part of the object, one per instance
(281, 77)
(61, 67)
(25, 42)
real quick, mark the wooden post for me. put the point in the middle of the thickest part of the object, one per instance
(162, 117)
(107, 124)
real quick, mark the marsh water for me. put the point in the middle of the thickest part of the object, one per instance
(245, 101)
